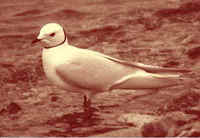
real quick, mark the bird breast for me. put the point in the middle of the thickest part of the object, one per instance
(51, 58)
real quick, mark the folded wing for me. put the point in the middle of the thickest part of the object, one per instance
(148, 68)
(95, 71)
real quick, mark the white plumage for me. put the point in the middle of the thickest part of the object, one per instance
(82, 70)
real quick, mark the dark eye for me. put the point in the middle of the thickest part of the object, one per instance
(52, 34)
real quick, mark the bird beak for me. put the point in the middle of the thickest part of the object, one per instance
(36, 40)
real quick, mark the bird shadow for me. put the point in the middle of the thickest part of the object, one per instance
(79, 124)
(86, 123)
(77, 119)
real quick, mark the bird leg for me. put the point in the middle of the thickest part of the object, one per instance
(88, 109)
(86, 104)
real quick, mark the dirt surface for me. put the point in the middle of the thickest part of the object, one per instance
(155, 32)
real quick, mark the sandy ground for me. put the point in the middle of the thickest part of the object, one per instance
(153, 32)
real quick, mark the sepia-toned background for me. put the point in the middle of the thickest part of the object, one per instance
(155, 32)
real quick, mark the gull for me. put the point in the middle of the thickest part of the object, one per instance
(89, 72)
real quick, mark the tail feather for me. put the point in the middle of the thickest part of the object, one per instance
(146, 81)
(166, 75)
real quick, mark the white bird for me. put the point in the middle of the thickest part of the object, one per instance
(90, 72)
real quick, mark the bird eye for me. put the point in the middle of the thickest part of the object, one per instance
(52, 34)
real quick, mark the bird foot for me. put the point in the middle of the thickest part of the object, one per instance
(86, 104)
(88, 110)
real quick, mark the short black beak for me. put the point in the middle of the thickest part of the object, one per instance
(35, 41)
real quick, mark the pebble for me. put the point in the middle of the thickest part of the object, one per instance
(137, 119)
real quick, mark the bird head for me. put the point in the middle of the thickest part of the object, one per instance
(51, 35)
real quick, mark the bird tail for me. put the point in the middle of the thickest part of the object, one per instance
(166, 75)
(146, 80)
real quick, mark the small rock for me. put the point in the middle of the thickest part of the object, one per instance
(2, 111)
(167, 126)
(190, 130)
(188, 39)
(13, 108)
(194, 110)
(59, 114)
(33, 89)
(54, 98)
(193, 53)
(136, 119)
(195, 131)
(27, 95)
(179, 118)
(33, 100)
(153, 129)
(42, 95)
